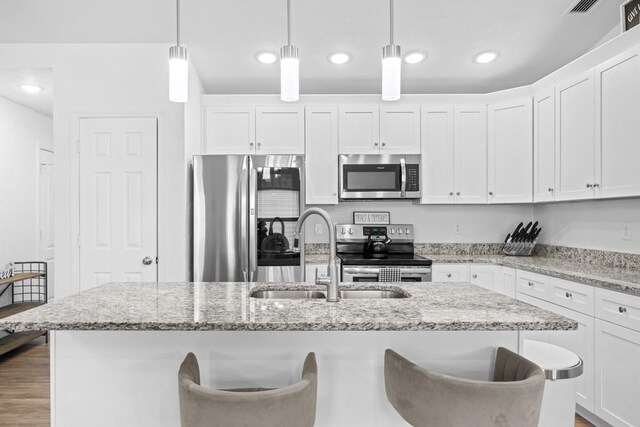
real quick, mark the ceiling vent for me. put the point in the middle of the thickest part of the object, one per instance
(581, 6)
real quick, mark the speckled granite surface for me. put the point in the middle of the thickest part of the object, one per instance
(610, 270)
(228, 307)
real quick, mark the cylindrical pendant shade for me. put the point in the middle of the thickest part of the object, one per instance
(391, 72)
(178, 74)
(289, 73)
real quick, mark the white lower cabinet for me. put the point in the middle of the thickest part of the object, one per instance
(485, 275)
(507, 285)
(450, 273)
(617, 377)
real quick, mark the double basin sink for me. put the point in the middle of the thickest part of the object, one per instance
(316, 294)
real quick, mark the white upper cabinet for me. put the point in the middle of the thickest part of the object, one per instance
(371, 129)
(400, 130)
(575, 137)
(359, 129)
(279, 130)
(544, 146)
(229, 130)
(510, 155)
(321, 167)
(470, 153)
(617, 126)
(437, 155)
(254, 130)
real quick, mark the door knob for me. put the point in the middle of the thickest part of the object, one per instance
(147, 260)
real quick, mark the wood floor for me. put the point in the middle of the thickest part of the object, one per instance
(24, 394)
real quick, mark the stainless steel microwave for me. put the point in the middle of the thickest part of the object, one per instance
(379, 177)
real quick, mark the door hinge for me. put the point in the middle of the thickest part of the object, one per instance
(156, 260)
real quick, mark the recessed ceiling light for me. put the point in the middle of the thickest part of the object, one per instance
(414, 57)
(486, 57)
(339, 58)
(266, 57)
(29, 88)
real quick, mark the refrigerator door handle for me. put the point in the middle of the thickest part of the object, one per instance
(253, 222)
(244, 222)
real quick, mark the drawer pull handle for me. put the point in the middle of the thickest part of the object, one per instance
(449, 275)
(622, 309)
(530, 284)
(475, 276)
(568, 295)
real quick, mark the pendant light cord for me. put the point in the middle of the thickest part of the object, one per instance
(178, 22)
(391, 17)
(289, 22)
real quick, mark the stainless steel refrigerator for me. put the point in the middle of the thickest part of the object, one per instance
(244, 212)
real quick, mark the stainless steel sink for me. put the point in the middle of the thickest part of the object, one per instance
(371, 294)
(344, 294)
(290, 294)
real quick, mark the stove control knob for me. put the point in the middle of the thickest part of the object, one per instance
(344, 230)
(351, 231)
(406, 230)
(393, 231)
(399, 230)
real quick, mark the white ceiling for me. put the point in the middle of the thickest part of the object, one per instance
(533, 38)
(12, 78)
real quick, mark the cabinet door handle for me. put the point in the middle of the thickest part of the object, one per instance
(475, 276)
(458, 193)
(622, 309)
(550, 190)
(384, 144)
(568, 294)
(251, 144)
(530, 284)
(491, 193)
(589, 185)
(448, 274)
(596, 185)
(451, 193)
(375, 144)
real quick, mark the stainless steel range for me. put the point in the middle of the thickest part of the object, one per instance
(365, 249)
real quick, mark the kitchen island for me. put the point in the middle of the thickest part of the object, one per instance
(116, 349)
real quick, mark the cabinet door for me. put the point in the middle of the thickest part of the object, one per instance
(470, 154)
(400, 130)
(508, 284)
(229, 130)
(510, 156)
(486, 276)
(575, 138)
(321, 171)
(617, 352)
(544, 146)
(359, 129)
(279, 130)
(450, 273)
(618, 127)
(437, 154)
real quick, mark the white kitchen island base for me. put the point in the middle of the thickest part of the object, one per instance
(129, 378)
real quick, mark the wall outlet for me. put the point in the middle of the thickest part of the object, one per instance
(626, 231)
(318, 229)
(458, 229)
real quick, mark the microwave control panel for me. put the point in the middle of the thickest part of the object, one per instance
(413, 177)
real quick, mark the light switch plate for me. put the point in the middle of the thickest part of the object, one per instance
(626, 231)
(318, 229)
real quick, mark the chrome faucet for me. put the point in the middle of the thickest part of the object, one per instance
(331, 279)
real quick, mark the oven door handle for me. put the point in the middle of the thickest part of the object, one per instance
(403, 178)
(372, 270)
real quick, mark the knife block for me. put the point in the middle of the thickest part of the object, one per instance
(519, 248)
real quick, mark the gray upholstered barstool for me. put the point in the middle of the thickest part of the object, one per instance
(425, 398)
(290, 406)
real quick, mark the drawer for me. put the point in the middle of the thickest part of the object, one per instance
(450, 273)
(574, 296)
(616, 307)
(533, 284)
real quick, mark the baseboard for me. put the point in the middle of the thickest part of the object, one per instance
(592, 418)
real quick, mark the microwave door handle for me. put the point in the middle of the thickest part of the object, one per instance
(403, 178)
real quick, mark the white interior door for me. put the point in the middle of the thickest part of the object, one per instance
(45, 214)
(118, 200)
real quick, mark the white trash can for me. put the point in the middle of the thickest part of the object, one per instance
(562, 369)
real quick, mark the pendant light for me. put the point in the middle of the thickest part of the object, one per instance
(178, 66)
(391, 65)
(289, 66)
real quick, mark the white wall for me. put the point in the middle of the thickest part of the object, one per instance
(434, 223)
(22, 132)
(594, 224)
(105, 80)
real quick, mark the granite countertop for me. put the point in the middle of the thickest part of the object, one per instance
(621, 279)
(228, 307)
